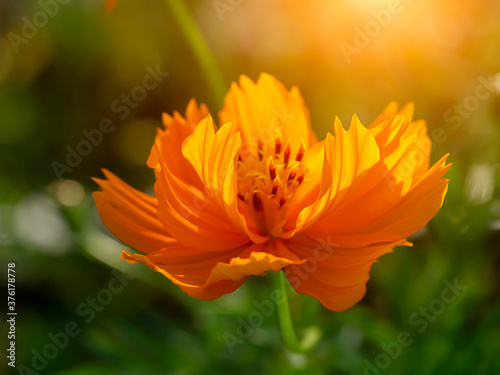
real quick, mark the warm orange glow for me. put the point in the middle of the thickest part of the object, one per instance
(111, 4)
(261, 193)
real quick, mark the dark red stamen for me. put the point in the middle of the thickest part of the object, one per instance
(301, 152)
(257, 202)
(288, 153)
(276, 185)
(272, 169)
(278, 145)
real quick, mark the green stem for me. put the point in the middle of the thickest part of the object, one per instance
(200, 49)
(289, 337)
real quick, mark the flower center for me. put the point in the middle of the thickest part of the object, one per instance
(268, 177)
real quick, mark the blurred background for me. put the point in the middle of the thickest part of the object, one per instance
(68, 68)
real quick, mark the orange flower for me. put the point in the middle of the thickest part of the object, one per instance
(262, 194)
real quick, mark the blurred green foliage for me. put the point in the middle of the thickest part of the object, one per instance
(65, 79)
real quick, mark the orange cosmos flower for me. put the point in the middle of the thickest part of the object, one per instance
(261, 194)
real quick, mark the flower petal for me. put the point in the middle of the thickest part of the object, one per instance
(205, 218)
(384, 202)
(213, 154)
(308, 192)
(192, 217)
(348, 155)
(208, 275)
(423, 145)
(388, 113)
(393, 127)
(189, 269)
(169, 142)
(264, 110)
(334, 275)
(404, 158)
(253, 262)
(130, 215)
(358, 225)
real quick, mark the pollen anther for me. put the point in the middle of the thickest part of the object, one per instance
(276, 185)
(278, 145)
(301, 152)
(288, 153)
(272, 169)
(257, 202)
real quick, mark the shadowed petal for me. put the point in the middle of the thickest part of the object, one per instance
(130, 215)
(336, 276)
(208, 275)
(189, 269)
(168, 143)
(252, 262)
